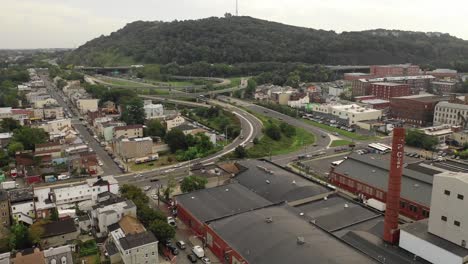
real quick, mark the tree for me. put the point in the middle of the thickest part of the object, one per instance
(418, 139)
(35, 232)
(29, 136)
(162, 230)
(273, 131)
(240, 152)
(54, 216)
(147, 215)
(19, 238)
(171, 184)
(154, 128)
(132, 192)
(250, 90)
(192, 183)
(287, 129)
(9, 124)
(133, 111)
(176, 140)
(13, 147)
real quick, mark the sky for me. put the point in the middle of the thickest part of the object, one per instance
(70, 23)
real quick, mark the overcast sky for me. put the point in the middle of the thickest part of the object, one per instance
(70, 23)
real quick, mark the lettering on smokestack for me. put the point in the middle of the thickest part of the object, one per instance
(391, 234)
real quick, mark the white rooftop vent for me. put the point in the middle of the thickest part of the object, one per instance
(301, 214)
(193, 197)
(267, 181)
(325, 198)
(227, 190)
(293, 182)
(269, 219)
(346, 205)
(300, 240)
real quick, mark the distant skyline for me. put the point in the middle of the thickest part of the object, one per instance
(71, 23)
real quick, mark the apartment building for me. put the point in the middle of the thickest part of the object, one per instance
(86, 105)
(54, 126)
(130, 148)
(174, 122)
(451, 114)
(130, 131)
(5, 221)
(387, 90)
(394, 70)
(153, 110)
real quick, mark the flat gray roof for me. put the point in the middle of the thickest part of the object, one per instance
(419, 229)
(336, 212)
(278, 186)
(415, 186)
(221, 201)
(260, 242)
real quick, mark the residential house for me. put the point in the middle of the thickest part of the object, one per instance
(45, 102)
(29, 256)
(4, 212)
(129, 131)
(132, 242)
(22, 205)
(5, 139)
(131, 148)
(106, 130)
(101, 119)
(85, 105)
(22, 115)
(5, 258)
(59, 233)
(5, 112)
(84, 162)
(49, 112)
(174, 122)
(54, 149)
(153, 110)
(298, 100)
(54, 126)
(58, 255)
(108, 107)
(110, 211)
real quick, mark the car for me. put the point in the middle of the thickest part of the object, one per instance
(198, 251)
(181, 244)
(192, 258)
(147, 188)
(168, 170)
(171, 221)
(173, 249)
(314, 145)
(154, 180)
(100, 163)
(138, 176)
(177, 165)
(205, 260)
(336, 134)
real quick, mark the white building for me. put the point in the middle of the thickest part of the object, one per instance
(54, 126)
(135, 246)
(442, 133)
(5, 112)
(109, 211)
(442, 238)
(450, 114)
(335, 91)
(22, 205)
(174, 122)
(45, 102)
(299, 101)
(355, 113)
(87, 105)
(153, 110)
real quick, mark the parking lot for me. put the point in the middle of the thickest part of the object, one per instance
(333, 121)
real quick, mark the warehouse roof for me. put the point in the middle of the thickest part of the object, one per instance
(221, 201)
(416, 186)
(274, 234)
(275, 183)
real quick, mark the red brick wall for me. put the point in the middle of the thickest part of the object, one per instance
(197, 227)
(357, 187)
(386, 92)
(412, 111)
(220, 248)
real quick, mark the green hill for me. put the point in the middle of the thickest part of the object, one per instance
(245, 39)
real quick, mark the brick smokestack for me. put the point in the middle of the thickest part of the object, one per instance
(391, 232)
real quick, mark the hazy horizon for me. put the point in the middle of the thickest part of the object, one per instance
(28, 24)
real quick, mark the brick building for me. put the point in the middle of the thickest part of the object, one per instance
(443, 87)
(351, 76)
(394, 70)
(368, 178)
(387, 90)
(416, 110)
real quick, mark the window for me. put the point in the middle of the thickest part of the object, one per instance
(443, 218)
(425, 213)
(460, 196)
(456, 223)
(447, 192)
(152, 253)
(146, 255)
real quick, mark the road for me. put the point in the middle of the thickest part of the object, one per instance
(109, 167)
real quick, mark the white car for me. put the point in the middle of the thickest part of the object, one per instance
(205, 260)
(198, 251)
(168, 170)
(147, 188)
(171, 221)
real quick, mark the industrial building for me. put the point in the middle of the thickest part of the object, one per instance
(415, 110)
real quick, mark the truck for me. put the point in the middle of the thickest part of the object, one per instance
(50, 178)
(198, 251)
(6, 185)
(376, 204)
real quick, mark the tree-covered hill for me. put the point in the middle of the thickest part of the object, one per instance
(234, 39)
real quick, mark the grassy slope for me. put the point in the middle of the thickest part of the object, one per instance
(339, 131)
(283, 146)
(337, 143)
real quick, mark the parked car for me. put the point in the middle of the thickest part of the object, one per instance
(147, 188)
(198, 251)
(192, 258)
(173, 249)
(205, 260)
(171, 221)
(181, 244)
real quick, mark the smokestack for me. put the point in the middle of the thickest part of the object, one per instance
(391, 232)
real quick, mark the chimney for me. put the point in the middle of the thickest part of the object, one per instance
(391, 232)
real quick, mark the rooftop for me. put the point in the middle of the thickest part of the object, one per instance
(131, 225)
(21, 195)
(128, 127)
(135, 240)
(59, 228)
(213, 203)
(416, 186)
(29, 256)
(6, 135)
(419, 229)
(423, 97)
(452, 105)
(137, 139)
(259, 240)
(375, 101)
(388, 84)
(278, 184)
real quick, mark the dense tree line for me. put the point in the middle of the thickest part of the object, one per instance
(9, 80)
(237, 39)
(416, 138)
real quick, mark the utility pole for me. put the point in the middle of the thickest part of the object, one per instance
(237, 9)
